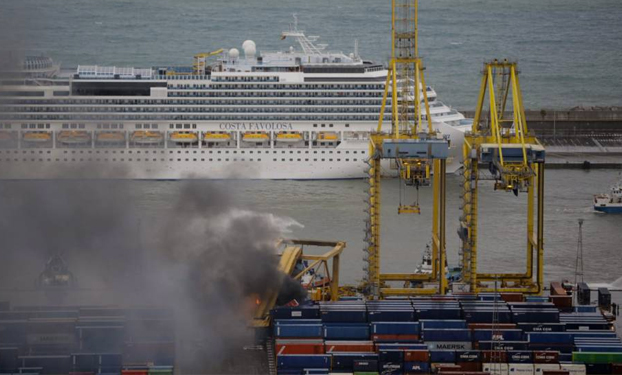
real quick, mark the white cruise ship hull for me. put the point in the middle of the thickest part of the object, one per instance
(345, 161)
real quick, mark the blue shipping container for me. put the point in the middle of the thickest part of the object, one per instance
(344, 316)
(391, 355)
(345, 331)
(303, 361)
(447, 335)
(395, 328)
(298, 331)
(432, 324)
(505, 334)
(392, 315)
(345, 361)
(417, 367)
(442, 356)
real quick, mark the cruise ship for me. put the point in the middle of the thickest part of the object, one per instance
(303, 113)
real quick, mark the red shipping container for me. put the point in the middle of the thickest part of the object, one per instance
(394, 338)
(470, 366)
(134, 372)
(349, 346)
(512, 297)
(616, 368)
(299, 347)
(445, 367)
(562, 302)
(545, 357)
(557, 289)
(490, 356)
(416, 355)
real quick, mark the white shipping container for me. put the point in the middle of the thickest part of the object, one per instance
(539, 367)
(521, 369)
(496, 368)
(574, 368)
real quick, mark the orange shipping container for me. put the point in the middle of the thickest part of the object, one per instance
(349, 346)
(416, 355)
(512, 297)
(299, 347)
(490, 356)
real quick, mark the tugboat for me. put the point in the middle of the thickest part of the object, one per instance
(610, 203)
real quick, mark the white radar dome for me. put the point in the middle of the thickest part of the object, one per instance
(249, 48)
(248, 43)
(234, 53)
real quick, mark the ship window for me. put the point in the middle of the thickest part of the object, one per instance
(153, 126)
(186, 126)
(282, 159)
(347, 125)
(81, 126)
(273, 159)
(355, 159)
(338, 159)
(73, 126)
(298, 159)
(211, 159)
(258, 159)
(323, 125)
(41, 126)
(171, 126)
(323, 159)
(331, 125)
(314, 159)
(315, 125)
(354, 152)
(33, 126)
(330, 159)
(177, 159)
(178, 126)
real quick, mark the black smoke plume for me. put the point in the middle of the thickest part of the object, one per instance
(200, 255)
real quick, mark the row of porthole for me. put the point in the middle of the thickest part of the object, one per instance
(163, 160)
(187, 152)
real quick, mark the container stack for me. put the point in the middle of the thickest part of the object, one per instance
(465, 334)
(86, 340)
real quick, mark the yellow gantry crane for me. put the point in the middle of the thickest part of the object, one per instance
(415, 149)
(515, 160)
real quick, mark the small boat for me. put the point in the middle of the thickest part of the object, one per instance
(145, 137)
(73, 137)
(37, 137)
(216, 137)
(610, 203)
(255, 137)
(111, 137)
(289, 137)
(184, 137)
(327, 136)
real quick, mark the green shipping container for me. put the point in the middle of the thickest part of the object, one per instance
(596, 357)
